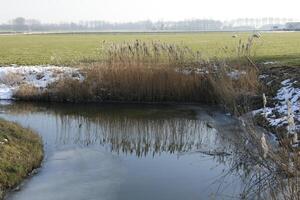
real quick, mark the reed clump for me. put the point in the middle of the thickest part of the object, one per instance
(150, 53)
(154, 72)
(27, 92)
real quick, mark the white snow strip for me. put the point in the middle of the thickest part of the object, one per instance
(11, 78)
(236, 74)
(263, 76)
(270, 62)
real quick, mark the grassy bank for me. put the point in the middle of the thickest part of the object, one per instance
(70, 49)
(21, 151)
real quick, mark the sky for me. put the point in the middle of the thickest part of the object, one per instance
(136, 10)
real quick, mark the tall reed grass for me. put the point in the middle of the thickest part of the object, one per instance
(153, 72)
(153, 53)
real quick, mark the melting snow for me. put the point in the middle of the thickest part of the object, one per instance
(11, 78)
(236, 74)
(269, 62)
(286, 92)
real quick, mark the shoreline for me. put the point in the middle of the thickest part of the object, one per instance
(268, 75)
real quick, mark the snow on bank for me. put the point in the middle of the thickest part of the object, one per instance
(236, 74)
(233, 74)
(11, 78)
(270, 62)
(277, 115)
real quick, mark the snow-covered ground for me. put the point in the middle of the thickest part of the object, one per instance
(12, 77)
(277, 115)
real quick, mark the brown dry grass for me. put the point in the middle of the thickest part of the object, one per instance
(152, 72)
(115, 83)
(11, 79)
(27, 92)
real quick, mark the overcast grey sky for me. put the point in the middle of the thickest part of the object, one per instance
(134, 10)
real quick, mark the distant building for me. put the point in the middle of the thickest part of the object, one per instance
(292, 26)
(278, 27)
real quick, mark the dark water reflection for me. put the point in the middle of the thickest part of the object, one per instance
(130, 152)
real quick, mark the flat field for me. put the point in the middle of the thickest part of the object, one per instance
(70, 49)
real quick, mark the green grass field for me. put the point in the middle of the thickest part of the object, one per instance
(72, 48)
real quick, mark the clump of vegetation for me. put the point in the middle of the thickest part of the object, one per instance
(153, 72)
(150, 53)
(27, 92)
(21, 151)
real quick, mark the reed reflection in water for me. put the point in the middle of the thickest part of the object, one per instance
(136, 136)
(139, 130)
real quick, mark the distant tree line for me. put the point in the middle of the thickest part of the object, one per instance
(31, 25)
(22, 24)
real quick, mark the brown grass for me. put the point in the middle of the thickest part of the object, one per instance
(27, 92)
(151, 72)
(11, 79)
(154, 53)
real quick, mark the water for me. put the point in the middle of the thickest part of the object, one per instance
(128, 152)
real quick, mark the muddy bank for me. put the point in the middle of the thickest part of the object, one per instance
(281, 86)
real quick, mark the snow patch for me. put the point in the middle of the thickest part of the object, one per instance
(11, 78)
(270, 62)
(263, 76)
(277, 115)
(236, 74)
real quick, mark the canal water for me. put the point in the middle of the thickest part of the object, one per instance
(130, 152)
